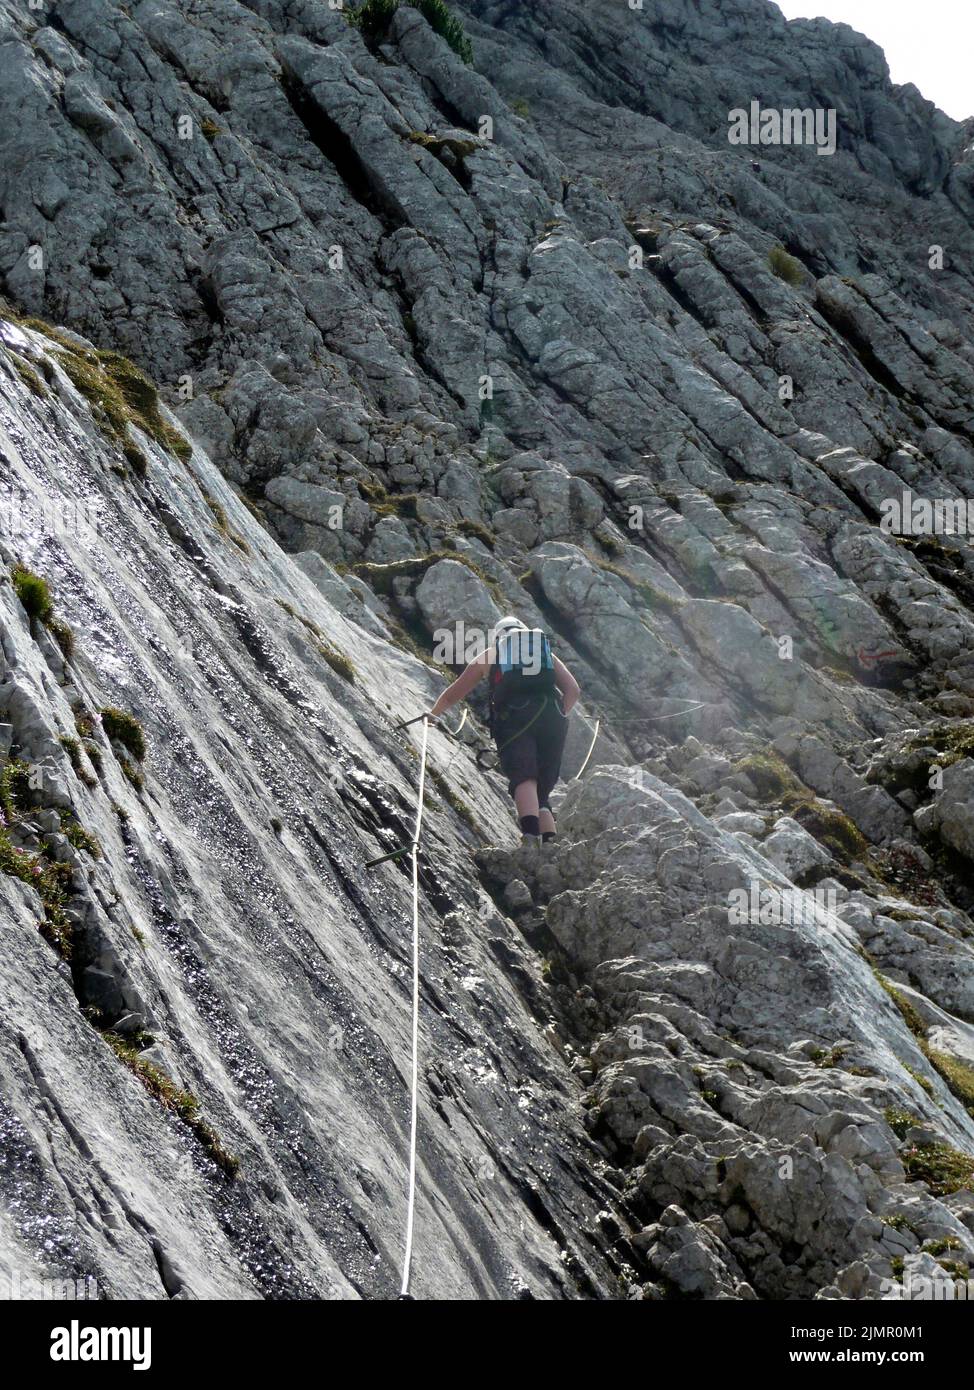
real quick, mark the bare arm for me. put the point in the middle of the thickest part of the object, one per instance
(461, 687)
(567, 685)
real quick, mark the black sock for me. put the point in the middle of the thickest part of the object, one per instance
(530, 825)
(548, 835)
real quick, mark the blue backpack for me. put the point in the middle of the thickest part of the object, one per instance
(522, 667)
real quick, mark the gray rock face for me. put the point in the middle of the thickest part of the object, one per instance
(449, 340)
(951, 812)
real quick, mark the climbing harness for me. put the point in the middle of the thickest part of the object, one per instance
(487, 758)
(532, 721)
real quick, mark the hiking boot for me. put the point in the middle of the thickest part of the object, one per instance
(527, 855)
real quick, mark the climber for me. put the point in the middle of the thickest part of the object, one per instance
(531, 696)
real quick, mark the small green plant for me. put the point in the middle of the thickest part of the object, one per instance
(374, 18)
(786, 267)
(941, 1247)
(654, 597)
(120, 395)
(942, 1168)
(181, 1103)
(958, 1076)
(442, 22)
(335, 659)
(456, 802)
(137, 461)
(446, 148)
(911, 1018)
(920, 1080)
(133, 774)
(900, 1121)
(828, 1060)
(468, 527)
(770, 774)
(72, 747)
(338, 662)
(15, 789)
(29, 377)
(63, 635)
(118, 392)
(122, 727)
(952, 741)
(520, 107)
(34, 593)
(51, 881)
(397, 504)
(78, 837)
(223, 522)
(210, 129)
(380, 577)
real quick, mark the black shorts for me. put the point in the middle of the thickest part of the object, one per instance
(530, 739)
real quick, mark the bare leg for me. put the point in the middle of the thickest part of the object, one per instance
(526, 798)
(547, 821)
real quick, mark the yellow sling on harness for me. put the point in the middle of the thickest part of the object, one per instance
(533, 720)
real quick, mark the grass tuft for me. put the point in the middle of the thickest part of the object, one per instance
(36, 598)
(117, 391)
(336, 660)
(182, 1103)
(122, 727)
(29, 377)
(34, 593)
(374, 17)
(941, 1167)
(73, 749)
(51, 881)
